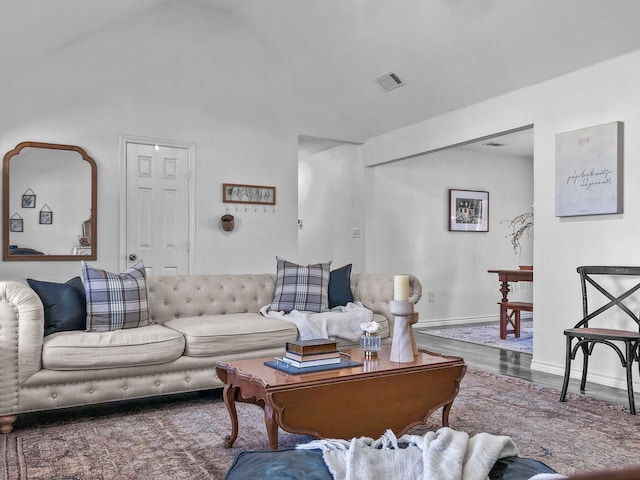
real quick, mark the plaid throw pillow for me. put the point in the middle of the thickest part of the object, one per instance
(303, 288)
(115, 301)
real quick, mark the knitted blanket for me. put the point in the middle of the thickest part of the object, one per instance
(343, 322)
(442, 455)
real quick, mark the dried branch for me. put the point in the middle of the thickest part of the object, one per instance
(519, 226)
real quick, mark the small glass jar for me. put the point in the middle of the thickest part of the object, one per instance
(370, 344)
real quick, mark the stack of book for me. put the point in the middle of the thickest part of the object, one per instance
(311, 353)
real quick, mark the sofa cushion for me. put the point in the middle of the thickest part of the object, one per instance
(115, 301)
(300, 287)
(340, 287)
(232, 334)
(149, 345)
(64, 304)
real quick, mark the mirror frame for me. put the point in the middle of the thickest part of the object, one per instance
(6, 213)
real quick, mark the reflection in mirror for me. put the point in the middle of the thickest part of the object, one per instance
(49, 203)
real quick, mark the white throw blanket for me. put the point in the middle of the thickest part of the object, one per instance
(343, 322)
(443, 455)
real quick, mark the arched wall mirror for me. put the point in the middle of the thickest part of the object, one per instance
(49, 207)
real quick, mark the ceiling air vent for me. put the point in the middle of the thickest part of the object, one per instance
(389, 81)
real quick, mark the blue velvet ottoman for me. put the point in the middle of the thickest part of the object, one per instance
(294, 464)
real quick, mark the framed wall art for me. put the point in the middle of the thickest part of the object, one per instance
(46, 215)
(16, 223)
(468, 211)
(589, 171)
(29, 199)
(254, 194)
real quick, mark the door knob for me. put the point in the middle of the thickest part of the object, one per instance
(132, 257)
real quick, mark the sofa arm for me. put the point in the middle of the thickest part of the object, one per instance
(375, 291)
(21, 336)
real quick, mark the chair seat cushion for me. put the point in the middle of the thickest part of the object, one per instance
(235, 333)
(602, 333)
(294, 464)
(149, 345)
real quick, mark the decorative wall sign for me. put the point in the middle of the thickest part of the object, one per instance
(46, 215)
(16, 223)
(236, 193)
(29, 199)
(589, 171)
(468, 211)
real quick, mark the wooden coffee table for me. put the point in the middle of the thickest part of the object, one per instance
(349, 402)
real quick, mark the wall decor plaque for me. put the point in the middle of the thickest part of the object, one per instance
(589, 171)
(255, 194)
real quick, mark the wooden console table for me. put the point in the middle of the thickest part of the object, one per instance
(506, 276)
(510, 311)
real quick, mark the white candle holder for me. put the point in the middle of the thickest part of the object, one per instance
(403, 344)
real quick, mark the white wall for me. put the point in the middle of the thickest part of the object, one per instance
(408, 227)
(603, 93)
(331, 204)
(409, 212)
(184, 72)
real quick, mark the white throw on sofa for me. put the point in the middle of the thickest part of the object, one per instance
(195, 321)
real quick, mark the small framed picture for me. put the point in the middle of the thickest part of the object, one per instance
(16, 225)
(255, 194)
(468, 211)
(28, 200)
(46, 215)
(46, 218)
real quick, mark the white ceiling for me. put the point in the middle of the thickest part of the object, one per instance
(308, 146)
(450, 53)
(514, 145)
(517, 144)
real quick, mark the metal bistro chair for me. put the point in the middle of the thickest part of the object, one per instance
(587, 336)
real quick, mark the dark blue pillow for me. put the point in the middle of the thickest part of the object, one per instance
(65, 305)
(340, 286)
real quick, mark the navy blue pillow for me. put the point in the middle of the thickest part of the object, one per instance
(65, 305)
(340, 286)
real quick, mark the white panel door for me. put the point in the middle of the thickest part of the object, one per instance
(158, 208)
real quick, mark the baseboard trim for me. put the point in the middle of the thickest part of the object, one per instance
(576, 375)
(448, 322)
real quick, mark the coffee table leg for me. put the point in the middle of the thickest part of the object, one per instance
(272, 427)
(445, 414)
(229, 395)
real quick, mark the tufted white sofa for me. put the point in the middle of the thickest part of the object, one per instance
(198, 319)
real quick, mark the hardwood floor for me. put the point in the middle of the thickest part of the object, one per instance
(514, 364)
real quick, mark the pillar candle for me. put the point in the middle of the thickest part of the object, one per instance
(401, 288)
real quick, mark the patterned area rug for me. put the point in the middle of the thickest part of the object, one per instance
(182, 437)
(487, 335)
